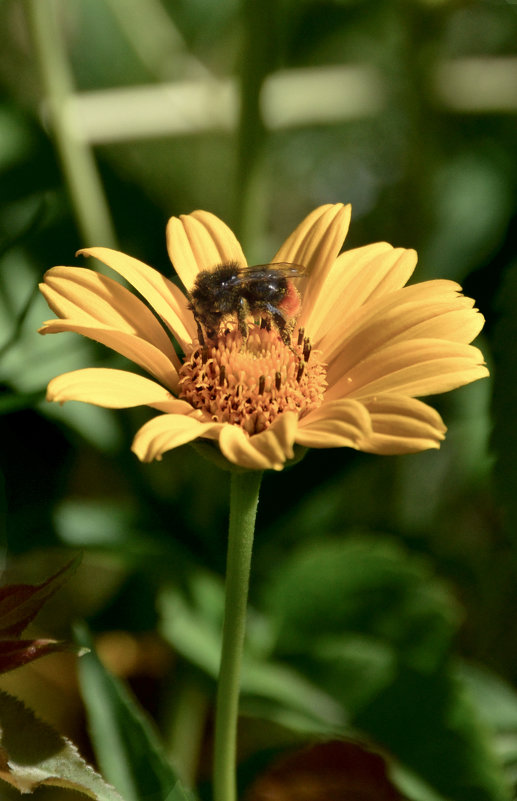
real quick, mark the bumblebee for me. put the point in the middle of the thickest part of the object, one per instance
(265, 292)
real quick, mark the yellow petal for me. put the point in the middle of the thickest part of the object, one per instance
(277, 442)
(163, 296)
(402, 425)
(114, 389)
(200, 241)
(242, 450)
(432, 310)
(132, 347)
(336, 424)
(357, 277)
(315, 244)
(416, 367)
(91, 298)
(168, 431)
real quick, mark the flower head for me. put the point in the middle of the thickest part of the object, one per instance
(337, 358)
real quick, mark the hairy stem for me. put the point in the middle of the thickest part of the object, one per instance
(243, 508)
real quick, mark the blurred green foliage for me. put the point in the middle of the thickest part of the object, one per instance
(380, 585)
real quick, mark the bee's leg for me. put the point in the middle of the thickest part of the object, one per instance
(242, 314)
(281, 324)
(200, 334)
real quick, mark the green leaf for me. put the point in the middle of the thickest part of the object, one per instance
(494, 698)
(430, 723)
(373, 626)
(194, 628)
(127, 747)
(178, 793)
(362, 585)
(496, 703)
(32, 753)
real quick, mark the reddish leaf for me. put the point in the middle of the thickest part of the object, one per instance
(20, 603)
(15, 653)
(326, 772)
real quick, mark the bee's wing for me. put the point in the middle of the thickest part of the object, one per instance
(260, 271)
(287, 268)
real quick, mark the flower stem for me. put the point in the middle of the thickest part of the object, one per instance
(243, 509)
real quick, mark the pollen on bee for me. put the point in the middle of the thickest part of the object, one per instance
(249, 381)
(291, 301)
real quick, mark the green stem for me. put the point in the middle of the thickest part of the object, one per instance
(243, 509)
(77, 160)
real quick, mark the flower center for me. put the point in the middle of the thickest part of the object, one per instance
(250, 382)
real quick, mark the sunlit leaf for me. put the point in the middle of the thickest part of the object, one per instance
(33, 754)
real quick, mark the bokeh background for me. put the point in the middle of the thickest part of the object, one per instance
(385, 583)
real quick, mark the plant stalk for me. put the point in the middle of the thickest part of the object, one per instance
(77, 160)
(243, 509)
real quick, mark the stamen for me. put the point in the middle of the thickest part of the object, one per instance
(249, 381)
(301, 334)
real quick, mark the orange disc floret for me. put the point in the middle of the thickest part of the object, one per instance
(249, 382)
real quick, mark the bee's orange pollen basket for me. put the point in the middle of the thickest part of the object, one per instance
(291, 303)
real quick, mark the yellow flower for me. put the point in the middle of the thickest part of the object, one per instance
(364, 347)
